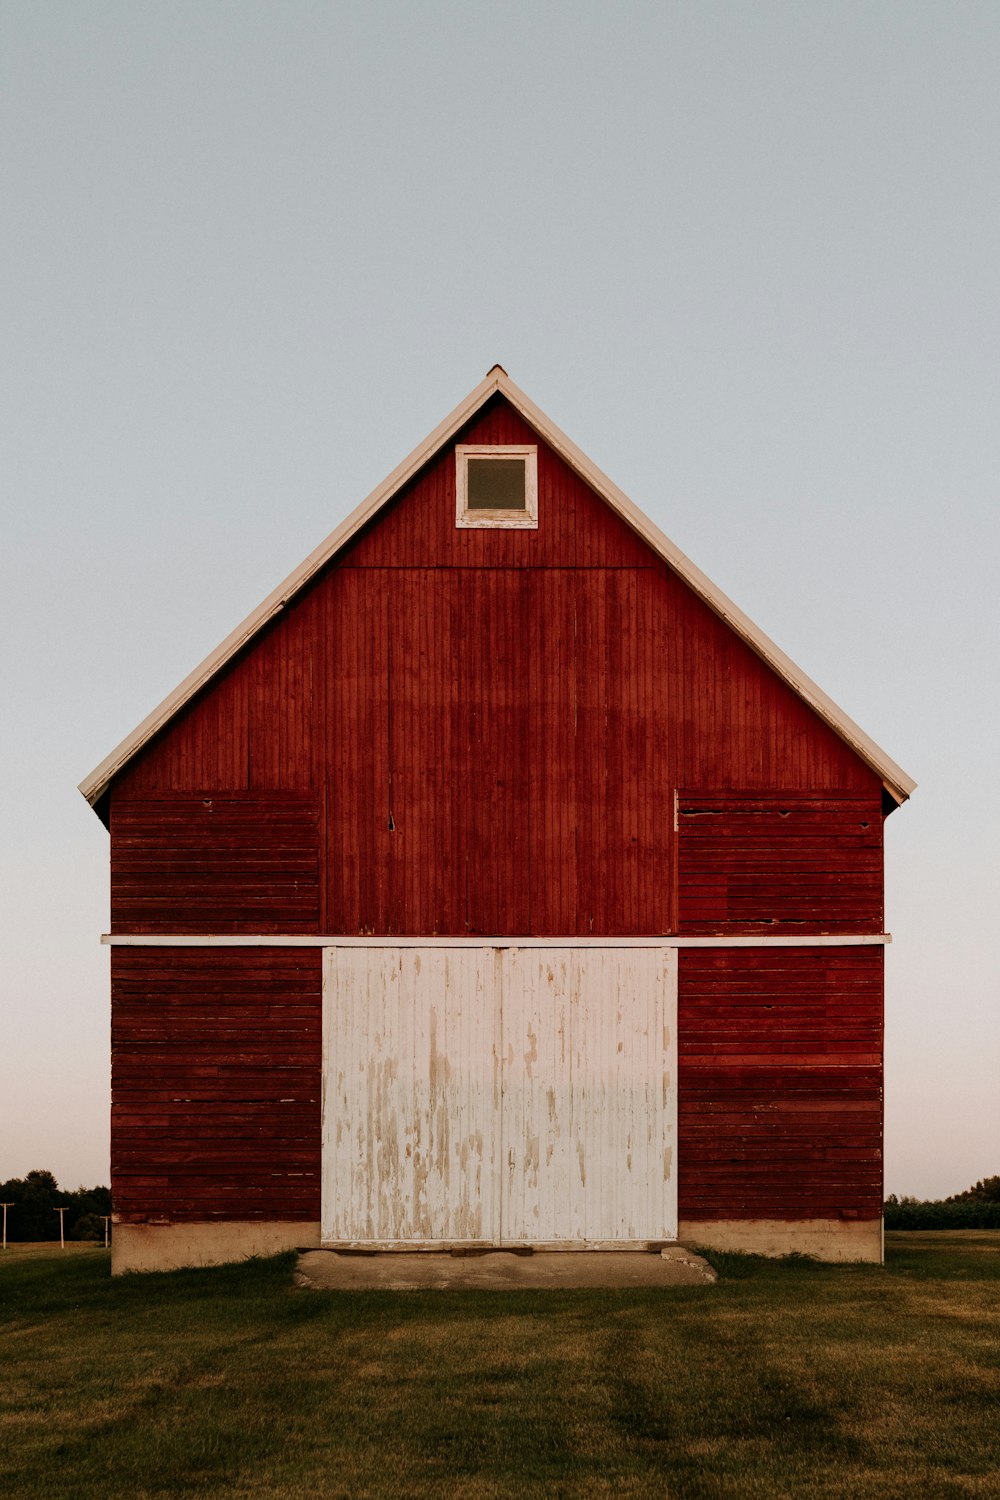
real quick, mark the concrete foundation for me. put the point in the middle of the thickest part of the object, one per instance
(501, 1270)
(167, 1247)
(825, 1239)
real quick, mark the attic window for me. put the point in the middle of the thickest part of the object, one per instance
(496, 485)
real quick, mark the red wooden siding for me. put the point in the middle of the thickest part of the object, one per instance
(215, 1083)
(496, 721)
(780, 1083)
(788, 862)
(230, 862)
(482, 732)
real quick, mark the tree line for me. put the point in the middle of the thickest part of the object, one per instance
(34, 1198)
(977, 1208)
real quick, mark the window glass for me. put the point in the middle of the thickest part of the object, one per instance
(495, 484)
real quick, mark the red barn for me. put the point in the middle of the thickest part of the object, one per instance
(497, 882)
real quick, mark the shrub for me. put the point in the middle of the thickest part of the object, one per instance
(960, 1212)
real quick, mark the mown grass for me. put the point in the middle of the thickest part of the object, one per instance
(785, 1379)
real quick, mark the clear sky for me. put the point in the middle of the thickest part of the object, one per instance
(746, 255)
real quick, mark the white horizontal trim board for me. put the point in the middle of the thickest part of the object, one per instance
(298, 940)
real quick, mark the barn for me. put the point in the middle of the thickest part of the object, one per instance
(497, 883)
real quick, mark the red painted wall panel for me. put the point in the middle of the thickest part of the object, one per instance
(495, 722)
(788, 862)
(780, 1083)
(215, 1083)
(215, 862)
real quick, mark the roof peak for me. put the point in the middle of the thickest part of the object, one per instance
(894, 778)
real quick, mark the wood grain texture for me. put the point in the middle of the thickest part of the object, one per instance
(786, 862)
(780, 1083)
(494, 722)
(499, 1095)
(462, 732)
(411, 1127)
(215, 1083)
(215, 862)
(588, 1128)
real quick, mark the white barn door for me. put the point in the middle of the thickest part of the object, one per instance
(589, 1095)
(411, 1095)
(500, 1095)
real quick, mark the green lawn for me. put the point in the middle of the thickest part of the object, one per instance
(784, 1379)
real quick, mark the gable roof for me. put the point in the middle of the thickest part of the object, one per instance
(894, 778)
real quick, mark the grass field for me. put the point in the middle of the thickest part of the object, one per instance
(785, 1379)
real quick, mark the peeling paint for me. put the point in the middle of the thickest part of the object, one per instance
(498, 1095)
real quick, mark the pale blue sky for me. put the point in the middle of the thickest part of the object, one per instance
(745, 255)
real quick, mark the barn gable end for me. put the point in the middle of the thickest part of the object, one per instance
(551, 734)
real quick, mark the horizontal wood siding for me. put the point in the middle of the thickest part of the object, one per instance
(215, 1075)
(780, 1083)
(789, 862)
(215, 862)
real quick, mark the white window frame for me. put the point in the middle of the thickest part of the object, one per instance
(516, 520)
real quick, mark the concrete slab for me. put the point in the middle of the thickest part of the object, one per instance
(500, 1270)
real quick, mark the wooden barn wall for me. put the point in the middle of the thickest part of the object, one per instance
(494, 723)
(215, 1081)
(785, 862)
(483, 732)
(226, 862)
(780, 1083)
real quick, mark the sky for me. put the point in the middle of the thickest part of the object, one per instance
(746, 256)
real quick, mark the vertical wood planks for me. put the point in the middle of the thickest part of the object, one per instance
(411, 1095)
(494, 723)
(501, 1095)
(589, 1095)
(482, 732)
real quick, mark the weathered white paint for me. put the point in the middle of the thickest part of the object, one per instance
(589, 1095)
(411, 1095)
(298, 940)
(496, 519)
(499, 1095)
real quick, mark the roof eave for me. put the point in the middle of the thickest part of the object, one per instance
(102, 775)
(894, 778)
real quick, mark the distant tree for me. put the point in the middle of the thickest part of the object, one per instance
(33, 1199)
(88, 1227)
(987, 1190)
(88, 1205)
(977, 1208)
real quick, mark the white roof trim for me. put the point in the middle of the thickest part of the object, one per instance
(894, 778)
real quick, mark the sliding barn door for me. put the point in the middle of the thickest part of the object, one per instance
(589, 1092)
(504, 1095)
(411, 1106)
